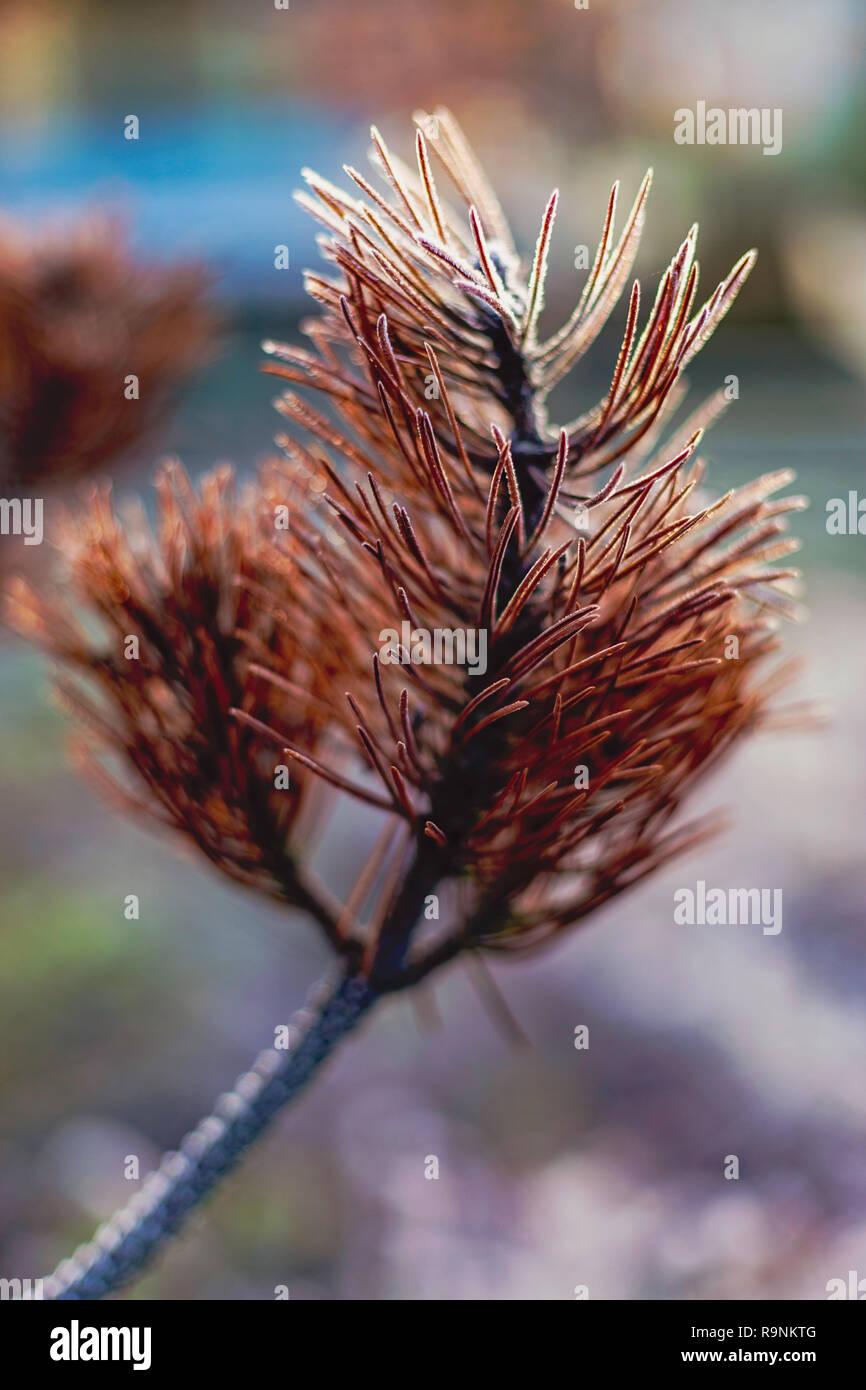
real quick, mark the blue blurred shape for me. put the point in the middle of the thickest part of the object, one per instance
(213, 181)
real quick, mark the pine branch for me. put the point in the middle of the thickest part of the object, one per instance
(447, 503)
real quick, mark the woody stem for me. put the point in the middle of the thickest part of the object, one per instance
(124, 1245)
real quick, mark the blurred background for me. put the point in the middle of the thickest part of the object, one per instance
(558, 1167)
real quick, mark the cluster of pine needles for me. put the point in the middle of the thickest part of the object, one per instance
(628, 614)
(430, 488)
